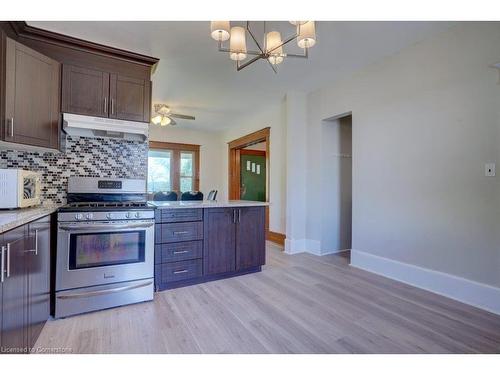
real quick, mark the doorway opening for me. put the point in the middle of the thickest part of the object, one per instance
(249, 168)
(337, 180)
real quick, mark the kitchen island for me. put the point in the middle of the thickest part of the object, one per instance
(199, 241)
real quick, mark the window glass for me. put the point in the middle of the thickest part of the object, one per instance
(159, 164)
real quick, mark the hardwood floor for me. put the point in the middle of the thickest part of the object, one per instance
(298, 304)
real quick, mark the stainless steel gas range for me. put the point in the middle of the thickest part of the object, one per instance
(105, 246)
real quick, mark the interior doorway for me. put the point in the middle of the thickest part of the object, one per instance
(337, 176)
(249, 168)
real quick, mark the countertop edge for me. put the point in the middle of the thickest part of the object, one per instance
(15, 218)
(162, 205)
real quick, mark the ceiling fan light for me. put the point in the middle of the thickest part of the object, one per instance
(307, 35)
(165, 121)
(237, 44)
(219, 30)
(273, 40)
(156, 120)
(297, 23)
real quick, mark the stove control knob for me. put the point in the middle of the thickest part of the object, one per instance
(138, 214)
(128, 215)
(109, 215)
(89, 216)
(78, 216)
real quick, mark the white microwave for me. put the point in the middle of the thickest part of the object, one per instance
(19, 188)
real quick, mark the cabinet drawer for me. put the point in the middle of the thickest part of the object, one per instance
(176, 251)
(179, 215)
(177, 232)
(177, 271)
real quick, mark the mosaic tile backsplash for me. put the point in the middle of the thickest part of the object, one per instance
(85, 157)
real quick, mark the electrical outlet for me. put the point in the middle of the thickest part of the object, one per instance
(489, 169)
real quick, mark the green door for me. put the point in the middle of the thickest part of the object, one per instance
(253, 178)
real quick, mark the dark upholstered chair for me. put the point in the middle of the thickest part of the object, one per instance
(192, 196)
(165, 196)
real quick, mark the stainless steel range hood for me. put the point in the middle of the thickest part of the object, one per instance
(88, 126)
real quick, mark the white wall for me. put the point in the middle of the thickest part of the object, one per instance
(211, 150)
(273, 117)
(424, 123)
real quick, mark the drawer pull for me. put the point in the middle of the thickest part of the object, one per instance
(181, 252)
(181, 232)
(180, 271)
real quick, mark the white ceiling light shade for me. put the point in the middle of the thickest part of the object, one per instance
(274, 46)
(307, 35)
(165, 121)
(157, 119)
(237, 44)
(220, 30)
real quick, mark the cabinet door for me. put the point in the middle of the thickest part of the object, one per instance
(85, 91)
(219, 241)
(14, 292)
(2, 256)
(38, 261)
(130, 98)
(31, 97)
(250, 237)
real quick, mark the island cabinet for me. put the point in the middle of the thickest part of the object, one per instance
(234, 240)
(203, 244)
(25, 285)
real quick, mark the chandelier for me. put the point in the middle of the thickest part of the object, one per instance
(272, 47)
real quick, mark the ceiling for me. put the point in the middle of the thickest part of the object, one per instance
(194, 78)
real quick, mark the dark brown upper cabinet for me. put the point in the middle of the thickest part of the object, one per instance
(85, 91)
(103, 94)
(130, 98)
(31, 96)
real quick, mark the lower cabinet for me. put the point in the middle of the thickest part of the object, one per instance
(25, 285)
(197, 245)
(234, 239)
(219, 254)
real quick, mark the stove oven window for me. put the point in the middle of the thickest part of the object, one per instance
(106, 249)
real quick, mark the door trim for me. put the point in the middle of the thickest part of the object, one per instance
(234, 163)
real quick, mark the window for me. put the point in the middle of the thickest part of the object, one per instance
(173, 167)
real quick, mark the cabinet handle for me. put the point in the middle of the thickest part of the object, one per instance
(181, 232)
(8, 260)
(181, 271)
(105, 105)
(10, 122)
(35, 250)
(239, 215)
(112, 106)
(181, 252)
(2, 276)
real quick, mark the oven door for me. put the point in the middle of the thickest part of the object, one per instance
(96, 253)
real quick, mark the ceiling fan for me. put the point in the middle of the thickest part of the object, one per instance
(164, 116)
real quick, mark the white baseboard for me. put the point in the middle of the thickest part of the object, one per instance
(308, 246)
(480, 295)
(302, 246)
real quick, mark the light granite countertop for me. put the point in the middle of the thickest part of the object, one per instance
(206, 204)
(10, 219)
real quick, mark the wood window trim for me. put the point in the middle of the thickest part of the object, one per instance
(176, 149)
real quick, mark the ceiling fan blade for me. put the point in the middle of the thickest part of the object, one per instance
(185, 117)
(172, 122)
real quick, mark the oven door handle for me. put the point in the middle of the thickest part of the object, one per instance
(105, 291)
(105, 227)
